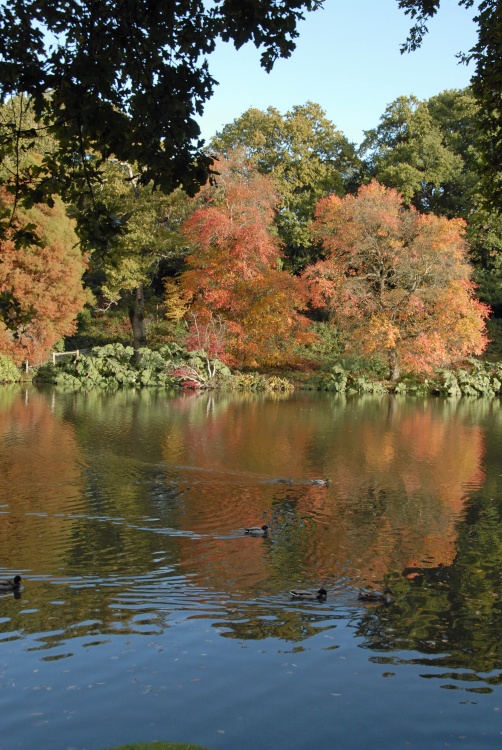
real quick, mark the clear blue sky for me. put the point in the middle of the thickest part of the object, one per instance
(347, 60)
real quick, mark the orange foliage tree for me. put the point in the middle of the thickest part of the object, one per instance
(234, 270)
(396, 281)
(46, 281)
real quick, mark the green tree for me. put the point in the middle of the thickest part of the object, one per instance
(150, 237)
(486, 81)
(407, 151)
(306, 156)
(457, 115)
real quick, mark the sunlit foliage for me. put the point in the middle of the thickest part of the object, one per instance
(46, 281)
(398, 282)
(234, 270)
(306, 156)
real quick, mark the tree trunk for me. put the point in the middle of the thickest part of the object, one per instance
(393, 366)
(137, 318)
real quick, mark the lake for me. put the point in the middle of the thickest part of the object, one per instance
(147, 614)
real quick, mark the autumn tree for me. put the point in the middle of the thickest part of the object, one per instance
(45, 278)
(234, 270)
(430, 152)
(396, 281)
(305, 155)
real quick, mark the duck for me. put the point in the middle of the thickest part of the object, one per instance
(321, 482)
(257, 530)
(374, 595)
(7, 585)
(309, 596)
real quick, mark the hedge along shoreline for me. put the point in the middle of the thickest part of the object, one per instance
(172, 367)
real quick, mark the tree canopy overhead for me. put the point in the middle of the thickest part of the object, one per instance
(127, 79)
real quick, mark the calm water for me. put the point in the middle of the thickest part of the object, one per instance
(147, 614)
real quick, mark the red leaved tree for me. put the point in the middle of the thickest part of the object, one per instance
(396, 281)
(45, 280)
(234, 270)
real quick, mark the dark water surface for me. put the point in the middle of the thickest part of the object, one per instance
(146, 613)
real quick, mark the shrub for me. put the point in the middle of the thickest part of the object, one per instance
(413, 385)
(482, 379)
(341, 379)
(248, 381)
(114, 365)
(255, 381)
(9, 372)
(325, 347)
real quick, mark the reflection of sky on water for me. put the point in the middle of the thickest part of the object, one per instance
(181, 663)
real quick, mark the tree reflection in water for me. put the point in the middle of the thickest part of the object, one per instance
(124, 513)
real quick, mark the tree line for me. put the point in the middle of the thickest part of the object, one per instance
(299, 232)
(278, 240)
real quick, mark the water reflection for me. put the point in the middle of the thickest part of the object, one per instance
(100, 482)
(125, 513)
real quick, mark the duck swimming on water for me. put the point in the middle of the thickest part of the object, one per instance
(257, 530)
(7, 585)
(374, 595)
(309, 596)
